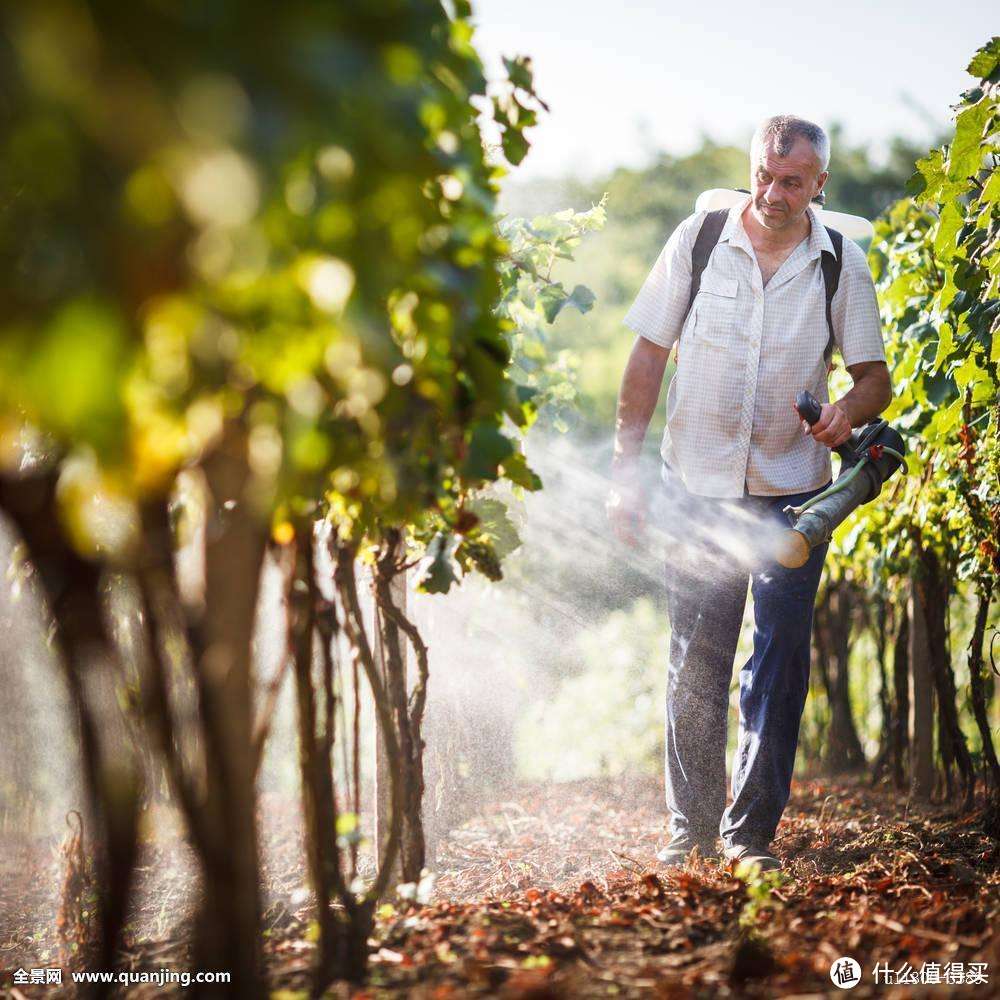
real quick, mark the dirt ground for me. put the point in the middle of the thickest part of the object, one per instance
(556, 893)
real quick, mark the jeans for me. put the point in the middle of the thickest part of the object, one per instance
(715, 546)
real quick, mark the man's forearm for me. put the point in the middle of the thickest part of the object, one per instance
(871, 394)
(640, 390)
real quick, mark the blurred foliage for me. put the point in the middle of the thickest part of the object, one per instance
(275, 217)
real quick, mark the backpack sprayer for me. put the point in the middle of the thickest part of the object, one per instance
(867, 459)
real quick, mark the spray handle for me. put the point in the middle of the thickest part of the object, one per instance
(808, 406)
(810, 410)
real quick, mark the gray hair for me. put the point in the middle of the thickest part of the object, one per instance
(783, 130)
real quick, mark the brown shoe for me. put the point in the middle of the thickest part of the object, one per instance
(745, 855)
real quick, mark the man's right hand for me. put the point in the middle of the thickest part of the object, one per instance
(626, 505)
(626, 509)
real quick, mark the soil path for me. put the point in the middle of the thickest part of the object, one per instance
(556, 893)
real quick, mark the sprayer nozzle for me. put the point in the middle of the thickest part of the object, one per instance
(792, 549)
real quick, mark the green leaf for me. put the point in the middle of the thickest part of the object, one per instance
(552, 298)
(521, 75)
(520, 406)
(583, 298)
(516, 469)
(547, 228)
(931, 168)
(945, 345)
(488, 447)
(515, 145)
(967, 372)
(916, 185)
(966, 154)
(986, 61)
(495, 523)
(951, 222)
(991, 190)
(939, 389)
(519, 71)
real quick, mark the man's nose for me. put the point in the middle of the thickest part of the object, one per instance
(773, 194)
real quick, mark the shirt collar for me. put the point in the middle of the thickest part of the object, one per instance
(819, 238)
(733, 229)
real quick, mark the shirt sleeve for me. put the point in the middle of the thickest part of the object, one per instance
(857, 326)
(660, 308)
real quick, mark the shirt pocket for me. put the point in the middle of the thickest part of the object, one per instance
(715, 311)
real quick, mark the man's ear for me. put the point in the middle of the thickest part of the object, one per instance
(820, 181)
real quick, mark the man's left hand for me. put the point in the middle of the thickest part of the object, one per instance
(832, 428)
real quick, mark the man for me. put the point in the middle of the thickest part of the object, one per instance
(756, 334)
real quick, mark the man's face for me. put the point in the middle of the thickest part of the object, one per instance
(783, 186)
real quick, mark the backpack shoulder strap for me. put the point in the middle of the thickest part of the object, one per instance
(831, 265)
(704, 244)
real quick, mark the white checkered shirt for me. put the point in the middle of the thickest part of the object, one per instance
(746, 351)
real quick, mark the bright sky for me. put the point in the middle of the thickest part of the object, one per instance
(627, 78)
